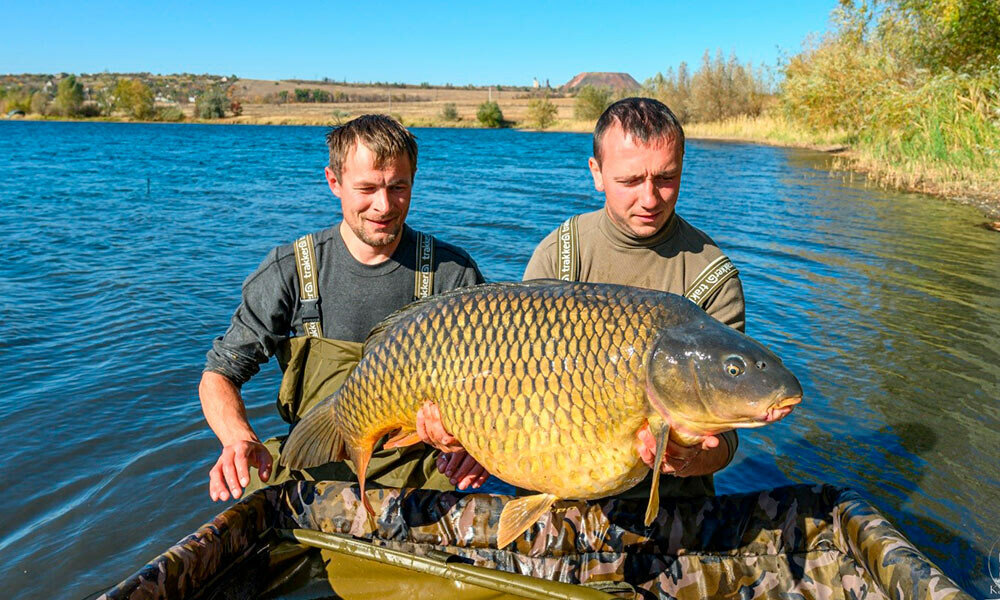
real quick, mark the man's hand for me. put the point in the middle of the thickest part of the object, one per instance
(231, 472)
(460, 468)
(432, 432)
(683, 461)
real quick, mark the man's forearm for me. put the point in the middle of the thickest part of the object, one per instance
(224, 410)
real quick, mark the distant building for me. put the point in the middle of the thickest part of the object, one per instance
(534, 83)
(622, 82)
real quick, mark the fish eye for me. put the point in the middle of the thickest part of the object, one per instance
(735, 366)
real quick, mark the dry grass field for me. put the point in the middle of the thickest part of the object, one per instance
(413, 105)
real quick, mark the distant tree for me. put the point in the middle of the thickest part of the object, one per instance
(69, 96)
(722, 89)
(236, 108)
(541, 113)
(105, 100)
(489, 114)
(674, 90)
(39, 103)
(211, 104)
(134, 98)
(15, 99)
(169, 113)
(89, 109)
(591, 102)
(340, 116)
(449, 112)
(319, 95)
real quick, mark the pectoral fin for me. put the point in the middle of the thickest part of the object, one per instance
(361, 466)
(520, 514)
(401, 439)
(654, 489)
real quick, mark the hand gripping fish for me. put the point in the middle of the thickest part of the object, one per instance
(546, 384)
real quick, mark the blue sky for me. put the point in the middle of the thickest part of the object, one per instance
(505, 43)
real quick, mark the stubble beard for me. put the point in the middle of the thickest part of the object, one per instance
(383, 239)
(624, 225)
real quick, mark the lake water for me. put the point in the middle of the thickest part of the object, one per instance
(124, 247)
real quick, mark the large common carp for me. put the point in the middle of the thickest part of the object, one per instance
(546, 384)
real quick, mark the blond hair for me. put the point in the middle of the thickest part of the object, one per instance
(381, 134)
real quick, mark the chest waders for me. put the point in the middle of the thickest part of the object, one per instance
(700, 291)
(315, 366)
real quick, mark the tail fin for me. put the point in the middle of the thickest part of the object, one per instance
(315, 440)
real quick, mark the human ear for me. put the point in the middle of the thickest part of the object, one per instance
(595, 172)
(332, 181)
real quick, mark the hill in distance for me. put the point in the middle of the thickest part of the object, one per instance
(615, 81)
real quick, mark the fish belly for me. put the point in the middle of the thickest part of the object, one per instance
(554, 452)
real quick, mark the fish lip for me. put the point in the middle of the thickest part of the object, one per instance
(781, 409)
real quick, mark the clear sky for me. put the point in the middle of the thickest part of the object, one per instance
(482, 43)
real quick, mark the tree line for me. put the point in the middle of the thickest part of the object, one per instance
(129, 97)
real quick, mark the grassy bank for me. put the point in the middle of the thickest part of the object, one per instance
(915, 91)
(899, 166)
(768, 129)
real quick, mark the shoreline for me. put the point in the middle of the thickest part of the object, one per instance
(983, 196)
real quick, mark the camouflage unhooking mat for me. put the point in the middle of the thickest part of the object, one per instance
(790, 542)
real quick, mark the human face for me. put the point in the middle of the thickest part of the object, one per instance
(374, 201)
(640, 181)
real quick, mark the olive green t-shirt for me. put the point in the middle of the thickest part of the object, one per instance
(668, 261)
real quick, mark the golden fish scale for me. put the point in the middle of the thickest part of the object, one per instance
(545, 389)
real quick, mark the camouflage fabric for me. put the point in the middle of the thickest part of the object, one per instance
(190, 565)
(796, 541)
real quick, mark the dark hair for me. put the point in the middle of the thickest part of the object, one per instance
(382, 134)
(642, 118)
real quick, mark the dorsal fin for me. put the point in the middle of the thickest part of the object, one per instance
(377, 333)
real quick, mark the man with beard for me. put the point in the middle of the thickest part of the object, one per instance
(313, 302)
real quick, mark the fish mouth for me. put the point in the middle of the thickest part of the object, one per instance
(781, 409)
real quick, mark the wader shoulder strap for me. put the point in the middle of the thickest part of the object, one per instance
(423, 276)
(710, 280)
(306, 267)
(568, 246)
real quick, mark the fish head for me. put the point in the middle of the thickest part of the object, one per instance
(704, 377)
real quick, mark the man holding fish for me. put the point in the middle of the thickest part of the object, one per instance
(313, 302)
(638, 239)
